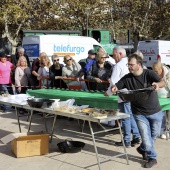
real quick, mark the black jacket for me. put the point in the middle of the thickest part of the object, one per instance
(57, 83)
(14, 59)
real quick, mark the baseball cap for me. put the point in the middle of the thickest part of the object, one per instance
(91, 51)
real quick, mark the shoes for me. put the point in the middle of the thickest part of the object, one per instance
(151, 162)
(135, 141)
(143, 153)
(127, 144)
(163, 136)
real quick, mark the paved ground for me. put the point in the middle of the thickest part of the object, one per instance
(85, 160)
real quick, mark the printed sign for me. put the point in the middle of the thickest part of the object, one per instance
(68, 48)
(32, 50)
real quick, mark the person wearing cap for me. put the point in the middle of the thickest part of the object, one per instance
(5, 77)
(83, 62)
(90, 63)
(91, 55)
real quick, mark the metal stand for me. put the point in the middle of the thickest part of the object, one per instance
(124, 147)
(17, 111)
(44, 116)
(76, 116)
(81, 125)
(17, 114)
(29, 127)
(94, 143)
(95, 147)
(52, 130)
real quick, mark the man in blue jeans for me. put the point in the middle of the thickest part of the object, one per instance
(147, 112)
(129, 125)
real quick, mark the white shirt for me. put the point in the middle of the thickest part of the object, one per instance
(119, 70)
(43, 71)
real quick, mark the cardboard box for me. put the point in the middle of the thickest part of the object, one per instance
(29, 144)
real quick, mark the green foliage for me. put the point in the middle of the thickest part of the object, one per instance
(143, 17)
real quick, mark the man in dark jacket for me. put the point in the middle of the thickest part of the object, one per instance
(14, 61)
(19, 53)
(83, 62)
(91, 55)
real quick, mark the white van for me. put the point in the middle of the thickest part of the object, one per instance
(155, 50)
(76, 46)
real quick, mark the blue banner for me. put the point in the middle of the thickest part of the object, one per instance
(32, 50)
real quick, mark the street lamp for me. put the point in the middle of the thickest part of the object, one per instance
(87, 20)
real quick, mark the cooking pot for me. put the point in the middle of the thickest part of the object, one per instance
(48, 102)
(69, 146)
(39, 102)
(35, 102)
(135, 95)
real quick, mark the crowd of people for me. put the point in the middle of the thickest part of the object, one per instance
(22, 76)
(93, 68)
(129, 73)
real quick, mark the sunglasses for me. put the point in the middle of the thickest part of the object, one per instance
(103, 57)
(56, 60)
(69, 60)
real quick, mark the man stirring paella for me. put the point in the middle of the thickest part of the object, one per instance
(147, 113)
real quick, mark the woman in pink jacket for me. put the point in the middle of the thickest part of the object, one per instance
(5, 77)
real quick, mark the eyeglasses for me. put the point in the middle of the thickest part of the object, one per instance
(69, 60)
(56, 60)
(103, 57)
(130, 65)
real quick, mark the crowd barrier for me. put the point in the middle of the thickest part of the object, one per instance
(50, 85)
(72, 87)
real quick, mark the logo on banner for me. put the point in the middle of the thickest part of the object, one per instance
(68, 48)
(32, 50)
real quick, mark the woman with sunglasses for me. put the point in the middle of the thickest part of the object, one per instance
(55, 73)
(5, 77)
(100, 70)
(72, 70)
